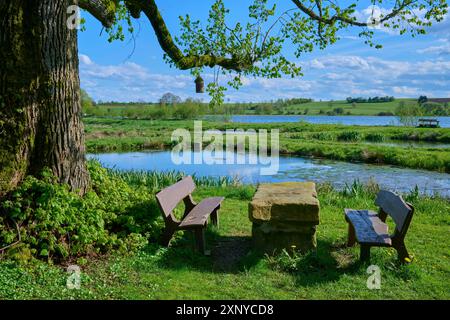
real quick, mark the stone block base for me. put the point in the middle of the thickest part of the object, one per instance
(270, 240)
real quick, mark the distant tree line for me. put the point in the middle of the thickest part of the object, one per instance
(434, 108)
(408, 113)
(118, 103)
(370, 99)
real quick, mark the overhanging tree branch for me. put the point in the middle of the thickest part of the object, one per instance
(103, 10)
(242, 61)
(184, 62)
(319, 18)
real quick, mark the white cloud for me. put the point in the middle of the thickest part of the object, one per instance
(403, 90)
(347, 62)
(327, 77)
(84, 59)
(127, 70)
(128, 81)
(344, 75)
(441, 50)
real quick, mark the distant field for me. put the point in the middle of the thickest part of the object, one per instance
(311, 108)
(363, 109)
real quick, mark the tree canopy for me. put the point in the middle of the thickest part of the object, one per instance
(169, 99)
(256, 47)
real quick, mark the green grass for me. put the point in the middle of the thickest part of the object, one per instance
(233, 271)
(338, 142)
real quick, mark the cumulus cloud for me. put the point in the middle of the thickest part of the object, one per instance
(85, 60)
(128, 81)
(442, 49)
(403, 90)
(327, 77)
(343, 75)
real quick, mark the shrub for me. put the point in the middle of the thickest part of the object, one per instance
(86, 102)
(435, 109)
(186, 111)
(374, 137)
(349, 136)
(338, 110)
(56, 224)
(370, 100)
(408, 114)
(324, 136)
(385, 114)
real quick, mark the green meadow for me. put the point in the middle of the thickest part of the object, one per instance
(233, 270)
(338, 142)
(194, 108)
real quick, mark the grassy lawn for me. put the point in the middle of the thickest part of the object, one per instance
(233, 271)
(337, 142)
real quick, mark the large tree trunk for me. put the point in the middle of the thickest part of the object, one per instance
(40, 110)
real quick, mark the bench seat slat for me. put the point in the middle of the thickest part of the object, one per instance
(369, 229)
(200, 213)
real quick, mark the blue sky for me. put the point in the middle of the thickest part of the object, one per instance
(135, 70)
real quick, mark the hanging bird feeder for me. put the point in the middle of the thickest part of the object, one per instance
(199, 85)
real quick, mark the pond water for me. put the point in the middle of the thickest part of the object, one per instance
(290, 169)
(344, 120)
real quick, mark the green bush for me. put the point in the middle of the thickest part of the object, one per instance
(349, 136)
(435, 109)
(374, 137)
(57, 224)
(324, 136)
(408, 113)
(186, 111)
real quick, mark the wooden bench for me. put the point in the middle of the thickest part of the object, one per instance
(369, 228)
(195, 215)
(428, 123)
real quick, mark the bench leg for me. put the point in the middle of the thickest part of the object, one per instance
(402, 252)
(365, 253)
(215, 218)
(166, 236)
(351, 236)
(200, 239)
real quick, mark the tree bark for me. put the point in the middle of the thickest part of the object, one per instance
(40, 109)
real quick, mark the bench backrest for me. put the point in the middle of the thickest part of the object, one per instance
(394, 205)
(169, 197)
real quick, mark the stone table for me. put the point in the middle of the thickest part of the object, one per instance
(284, 215)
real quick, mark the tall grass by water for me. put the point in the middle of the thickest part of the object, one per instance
(155, 180)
